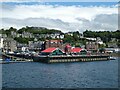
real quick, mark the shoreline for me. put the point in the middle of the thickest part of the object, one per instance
(115, 54)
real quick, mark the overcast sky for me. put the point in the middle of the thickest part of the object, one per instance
(66, 16)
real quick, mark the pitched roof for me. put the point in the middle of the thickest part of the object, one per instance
(49, 50)
(75, 50)
(68, 46)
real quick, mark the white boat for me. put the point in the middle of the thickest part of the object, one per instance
(112, 58)
(1, 59)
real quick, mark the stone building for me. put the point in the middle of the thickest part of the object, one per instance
(9, 44)
(92, 46)
(54, 43)
(36, 45)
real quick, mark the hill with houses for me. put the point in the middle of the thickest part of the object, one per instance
(34, 37)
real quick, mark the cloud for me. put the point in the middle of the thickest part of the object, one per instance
(37, 22)
(100, 22)
(66, 18)
(108, 22)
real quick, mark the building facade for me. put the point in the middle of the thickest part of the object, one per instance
(1, 42)
(92, 46)
(9, 44)
(54, 43)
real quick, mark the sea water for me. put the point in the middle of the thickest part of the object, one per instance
(96, 74)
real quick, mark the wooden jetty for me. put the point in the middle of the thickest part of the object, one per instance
(65, 58)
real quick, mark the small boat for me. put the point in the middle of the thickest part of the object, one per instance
(112, 58)
(1, 59)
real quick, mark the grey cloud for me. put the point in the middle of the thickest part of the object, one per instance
(39, 22)
(82, 19)
(108, 22)
(100, 22)
(104, 18)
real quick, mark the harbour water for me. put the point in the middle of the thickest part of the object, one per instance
(97, 74)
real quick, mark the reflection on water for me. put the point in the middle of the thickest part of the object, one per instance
(99, 74)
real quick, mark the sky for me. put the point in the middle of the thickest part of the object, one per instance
(63, 15)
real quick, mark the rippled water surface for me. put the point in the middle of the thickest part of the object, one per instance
(98, 74)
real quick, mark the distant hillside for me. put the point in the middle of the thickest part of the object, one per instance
(38, 30)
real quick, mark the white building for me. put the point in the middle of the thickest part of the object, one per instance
(1, 42)
(92, 39)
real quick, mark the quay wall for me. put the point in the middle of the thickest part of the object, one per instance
(54, 59)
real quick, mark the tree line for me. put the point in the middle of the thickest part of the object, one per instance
(106, 36)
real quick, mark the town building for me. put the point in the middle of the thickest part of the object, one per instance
(27, 35)
(52, 51)
(91, 39)
(1, 42)
(99, 41)
(67, 49)
(22, 47)
(36, 45)
(78, 51)
(9, 44)
(92, 46)
(54, 43)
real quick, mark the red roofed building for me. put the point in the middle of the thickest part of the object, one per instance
(52, 51)
(68, 48)
(78, 50)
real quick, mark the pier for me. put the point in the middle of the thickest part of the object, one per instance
(14, 59)
(55, 59)
(64, 58)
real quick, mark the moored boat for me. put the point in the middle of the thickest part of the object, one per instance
(112, 58)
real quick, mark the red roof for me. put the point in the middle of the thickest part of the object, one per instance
(49, 50)
(76, 50)
(68, 46)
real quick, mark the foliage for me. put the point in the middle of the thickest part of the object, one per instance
(23, 40)
(39, 30)
(106, 36)
(73, 39)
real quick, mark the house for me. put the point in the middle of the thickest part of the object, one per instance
(9, 44)
(99, 41)
(4, 35)
(81, 36)
(13, 34)
(53, 43)
(21, 46)
(52, 51)
(1, 42)
(112, 45)
(78, 50)
(91, 39)
(92, 46)
(36, 45)
(61, 36)
(67, 49)
(69, 33)
(27, 35)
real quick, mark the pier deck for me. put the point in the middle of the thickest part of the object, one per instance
(76, 58)
(14, 59)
